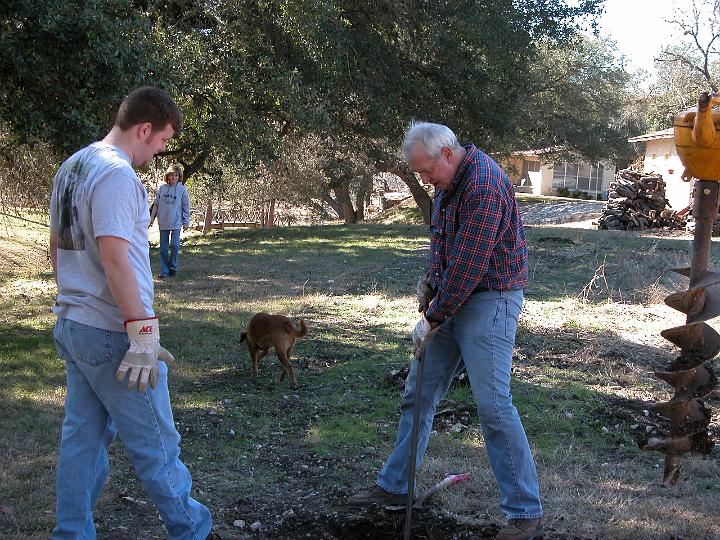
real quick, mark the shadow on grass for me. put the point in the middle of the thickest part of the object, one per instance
(298, 260)
(304, 259)
(257, 448)
(25, 355)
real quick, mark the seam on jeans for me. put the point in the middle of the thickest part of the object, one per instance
(165, 468)
(97, 453)
(495, 396)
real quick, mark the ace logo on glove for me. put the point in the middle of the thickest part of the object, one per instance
(141, 359)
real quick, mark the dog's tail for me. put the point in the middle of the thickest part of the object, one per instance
(243, 336)
(303, 329)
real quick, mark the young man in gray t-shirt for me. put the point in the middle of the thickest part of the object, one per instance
(107, 329)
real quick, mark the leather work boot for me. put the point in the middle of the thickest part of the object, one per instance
(377, 495)
(521, 529)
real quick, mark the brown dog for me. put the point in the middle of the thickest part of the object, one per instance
(265, 331)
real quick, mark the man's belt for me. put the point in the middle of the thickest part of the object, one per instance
(480, 289)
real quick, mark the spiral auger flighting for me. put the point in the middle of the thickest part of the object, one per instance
(690, 374)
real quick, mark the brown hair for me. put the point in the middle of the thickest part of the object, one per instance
(174, 168)
(149, 104)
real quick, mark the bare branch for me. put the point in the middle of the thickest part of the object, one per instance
(702, 31)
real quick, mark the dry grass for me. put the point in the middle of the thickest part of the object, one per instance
(588, 342)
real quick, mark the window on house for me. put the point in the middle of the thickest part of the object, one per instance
(579, 177)
(584, 172)
(565, 176)
(571, 170)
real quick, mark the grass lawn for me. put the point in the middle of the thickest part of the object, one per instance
(586, 347)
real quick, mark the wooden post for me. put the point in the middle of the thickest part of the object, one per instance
(208, 217)
(271, 214)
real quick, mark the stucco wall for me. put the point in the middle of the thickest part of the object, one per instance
(661, 158)
(546, 176)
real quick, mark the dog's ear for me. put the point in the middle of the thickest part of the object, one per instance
(243, 336)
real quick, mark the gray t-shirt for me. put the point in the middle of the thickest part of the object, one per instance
(173, 203)
(97, 193)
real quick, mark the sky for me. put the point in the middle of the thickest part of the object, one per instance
(638, 28)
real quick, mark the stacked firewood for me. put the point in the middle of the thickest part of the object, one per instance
(637, 200)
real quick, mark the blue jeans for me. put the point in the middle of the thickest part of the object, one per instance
(97, 406)
(481, 335)
(169, 242)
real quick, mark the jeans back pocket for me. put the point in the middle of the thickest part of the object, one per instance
(89, 345)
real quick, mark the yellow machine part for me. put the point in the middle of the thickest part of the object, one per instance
(698, 142)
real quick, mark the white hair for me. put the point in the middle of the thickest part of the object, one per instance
(432, 137)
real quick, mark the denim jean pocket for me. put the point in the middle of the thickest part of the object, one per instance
(91, 346)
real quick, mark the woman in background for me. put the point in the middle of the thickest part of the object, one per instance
(172, 209)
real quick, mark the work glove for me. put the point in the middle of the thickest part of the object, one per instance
(424, 292)
(419, 333)
(141, 359)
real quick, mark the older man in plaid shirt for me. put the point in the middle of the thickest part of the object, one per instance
(478, 268)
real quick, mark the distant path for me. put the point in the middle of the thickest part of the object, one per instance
(560, 212)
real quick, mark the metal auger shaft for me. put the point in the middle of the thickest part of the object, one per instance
(689, 417)
(705, 210)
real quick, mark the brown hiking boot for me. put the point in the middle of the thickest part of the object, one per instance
(521, 529)
(377, 495)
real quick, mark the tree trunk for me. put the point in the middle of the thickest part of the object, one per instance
(270, 222)
(332, 203)
(191, 168)
(207, 226)
(390, 164)
(362, 198)
(421, 196)
(360, 206)
(343, 196)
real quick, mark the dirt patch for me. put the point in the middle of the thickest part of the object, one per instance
(378, 524)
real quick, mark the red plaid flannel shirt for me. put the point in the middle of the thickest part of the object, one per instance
(477, 239)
